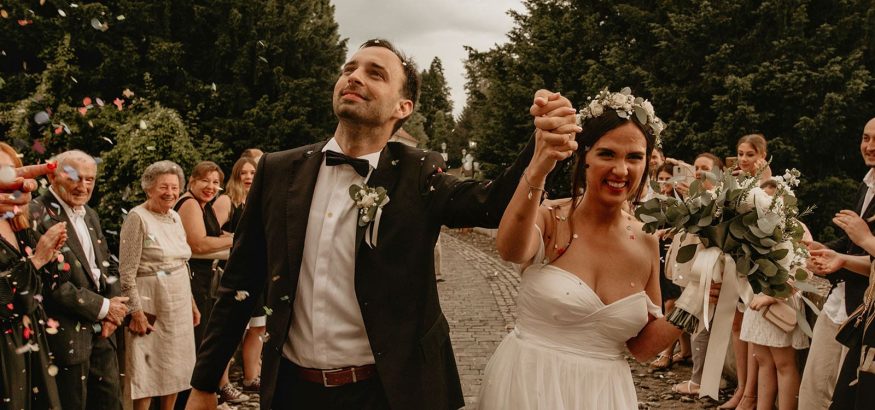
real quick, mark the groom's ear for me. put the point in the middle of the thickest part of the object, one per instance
(404, 109)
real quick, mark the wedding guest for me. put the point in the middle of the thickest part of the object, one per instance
(825, 354)
(668, 290)
(203, 212)
(253, 153)
(26, 375)
(239, 182)
(752, 151)
(705, 162)
(855, 386)
(772, 349)
(85, 300)
(154, 276)
(657, 158)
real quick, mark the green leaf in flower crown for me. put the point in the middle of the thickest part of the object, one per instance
(801, 275)
(790, 201)
(626, 91)
(767, 267)
(686, 253)
(705, 221)
(640, 114)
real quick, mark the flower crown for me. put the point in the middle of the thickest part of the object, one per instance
(626, 105)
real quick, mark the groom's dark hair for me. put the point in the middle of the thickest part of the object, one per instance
(410, 88)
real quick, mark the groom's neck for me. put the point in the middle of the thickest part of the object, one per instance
(357, 140)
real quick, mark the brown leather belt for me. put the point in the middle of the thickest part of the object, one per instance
(337, 377)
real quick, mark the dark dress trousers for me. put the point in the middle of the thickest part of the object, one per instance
(88, 376)
(394, 282)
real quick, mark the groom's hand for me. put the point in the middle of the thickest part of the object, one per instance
(556, 129)
(201, 400)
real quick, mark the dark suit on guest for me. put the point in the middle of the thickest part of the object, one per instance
(74, 298)
(394, 282)
(855, 284)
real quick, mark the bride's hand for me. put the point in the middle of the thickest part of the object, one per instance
(556, 129)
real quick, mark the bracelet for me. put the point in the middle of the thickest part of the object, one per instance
(534, 188)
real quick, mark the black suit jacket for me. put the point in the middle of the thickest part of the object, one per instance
(394, 282)
(855, 284)
(74, 298)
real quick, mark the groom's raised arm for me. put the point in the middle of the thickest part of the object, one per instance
(459, 203)
(246, 271)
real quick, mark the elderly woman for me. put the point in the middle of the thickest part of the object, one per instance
(154, 274)
(26, 375)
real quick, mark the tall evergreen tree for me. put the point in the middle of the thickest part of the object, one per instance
(435, 104)
(796, 70)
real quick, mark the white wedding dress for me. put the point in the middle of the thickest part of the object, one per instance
(566, 351)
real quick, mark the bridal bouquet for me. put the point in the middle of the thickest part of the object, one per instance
(736, 232)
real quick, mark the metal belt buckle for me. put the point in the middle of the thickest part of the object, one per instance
(325, 374)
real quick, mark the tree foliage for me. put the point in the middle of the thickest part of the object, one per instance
(156, 134)
(435, 104)
(226, 74)
(796, 70)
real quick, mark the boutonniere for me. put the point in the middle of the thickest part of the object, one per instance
(370, 202)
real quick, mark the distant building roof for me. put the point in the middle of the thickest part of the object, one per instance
(405, 138)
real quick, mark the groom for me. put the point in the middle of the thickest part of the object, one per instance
(354, 319)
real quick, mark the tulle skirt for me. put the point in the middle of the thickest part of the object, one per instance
(527, 375)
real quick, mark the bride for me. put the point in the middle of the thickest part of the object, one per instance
(590, 284)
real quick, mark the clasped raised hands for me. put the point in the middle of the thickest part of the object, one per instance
(556, 129)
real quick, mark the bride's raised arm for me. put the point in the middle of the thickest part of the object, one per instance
(517, 239)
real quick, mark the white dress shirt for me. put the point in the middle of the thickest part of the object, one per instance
(327, 330)
(77, 220)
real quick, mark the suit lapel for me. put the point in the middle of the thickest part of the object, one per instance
(386, 176)
(861, 197)
(305, 172)
(56, 212)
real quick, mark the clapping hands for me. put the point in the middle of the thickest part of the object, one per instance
(853, 225)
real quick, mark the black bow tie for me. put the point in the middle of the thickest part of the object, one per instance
(361, 166)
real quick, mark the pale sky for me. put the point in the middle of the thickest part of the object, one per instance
(425, 29)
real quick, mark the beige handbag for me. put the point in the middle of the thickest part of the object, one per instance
(781, 314)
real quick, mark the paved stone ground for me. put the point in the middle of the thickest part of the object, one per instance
(478, 296)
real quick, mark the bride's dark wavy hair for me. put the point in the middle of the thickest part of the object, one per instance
(593, 130)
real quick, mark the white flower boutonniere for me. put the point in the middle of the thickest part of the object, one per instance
(370, 202)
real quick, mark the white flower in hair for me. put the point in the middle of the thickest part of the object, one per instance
(625, 105)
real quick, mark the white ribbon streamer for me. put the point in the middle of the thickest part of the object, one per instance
(374, 228)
